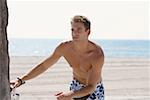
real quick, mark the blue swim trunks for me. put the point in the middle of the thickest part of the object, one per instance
(98, 94)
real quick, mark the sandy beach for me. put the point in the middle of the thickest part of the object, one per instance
(123, 78)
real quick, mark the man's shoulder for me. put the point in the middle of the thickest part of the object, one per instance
(64, 45)
(97, 52)
(97, 56)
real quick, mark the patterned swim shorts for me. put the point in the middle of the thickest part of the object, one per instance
(98, 94)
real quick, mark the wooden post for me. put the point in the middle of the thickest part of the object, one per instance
(4, 55)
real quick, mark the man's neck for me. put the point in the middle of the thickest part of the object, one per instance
(81, 46)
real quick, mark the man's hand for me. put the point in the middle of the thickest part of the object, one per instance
(63, 96)
(16, 83)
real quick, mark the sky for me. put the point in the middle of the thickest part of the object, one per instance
(110, 19)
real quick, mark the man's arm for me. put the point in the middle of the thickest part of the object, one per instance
(44, 65)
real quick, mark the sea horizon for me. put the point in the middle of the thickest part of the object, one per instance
(111, 47)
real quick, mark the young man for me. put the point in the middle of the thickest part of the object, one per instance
(84, 57)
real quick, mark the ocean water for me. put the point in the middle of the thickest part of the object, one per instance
(112, 48)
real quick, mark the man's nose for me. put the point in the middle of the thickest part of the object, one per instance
(75, 32)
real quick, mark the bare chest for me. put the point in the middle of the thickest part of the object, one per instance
(79, 63)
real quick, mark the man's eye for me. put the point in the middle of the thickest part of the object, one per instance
(72, 29)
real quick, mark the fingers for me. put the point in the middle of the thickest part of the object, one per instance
(58, 94)
(60, 97)
(14, 84)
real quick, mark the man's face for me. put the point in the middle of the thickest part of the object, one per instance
(79, 32)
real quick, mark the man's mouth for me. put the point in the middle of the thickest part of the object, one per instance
(75, 37)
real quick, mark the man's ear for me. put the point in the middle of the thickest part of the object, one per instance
(88, 31)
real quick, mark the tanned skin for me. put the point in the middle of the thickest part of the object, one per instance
(84, 57)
